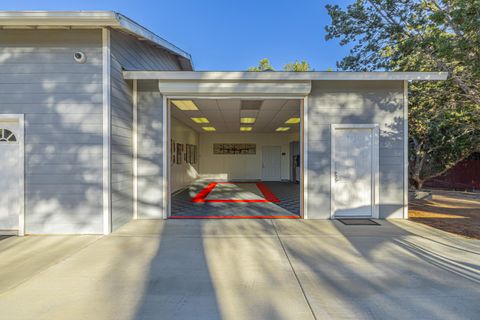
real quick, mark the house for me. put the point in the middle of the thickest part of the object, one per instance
(102, 121)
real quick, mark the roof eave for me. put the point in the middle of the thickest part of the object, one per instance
(92, 19)
(284, 76)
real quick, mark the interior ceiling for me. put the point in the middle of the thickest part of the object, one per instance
(225, 114)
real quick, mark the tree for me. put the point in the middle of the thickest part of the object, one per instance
(422, 35)
(264, 65)
(297, 66)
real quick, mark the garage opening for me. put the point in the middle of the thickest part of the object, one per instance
(235, 158)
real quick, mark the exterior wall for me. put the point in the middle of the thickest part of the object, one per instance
(246, 167)
(185, 173)
(128, 53)
(150, 151)
(355, 102)
(62, 103)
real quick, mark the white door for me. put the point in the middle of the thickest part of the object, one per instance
(9, 175)
(271, 163)
(353, 171)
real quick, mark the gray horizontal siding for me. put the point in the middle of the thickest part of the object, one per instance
(150, 155)
(130, 54)
(62, 103)
(350, 102)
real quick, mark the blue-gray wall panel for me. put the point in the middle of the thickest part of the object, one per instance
(129, 53)
(62, 103)
(355, 102)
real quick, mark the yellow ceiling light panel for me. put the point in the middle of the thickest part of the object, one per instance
(200, 120)
(185, 105)
(246, 128)
(281, 129)
(247, 120)
(293, 121)
(209, 129)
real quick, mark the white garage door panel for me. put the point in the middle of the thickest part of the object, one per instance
(9, 176)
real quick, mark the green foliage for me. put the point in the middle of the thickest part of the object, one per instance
(422, 35)
(263, 65)
(297, 66)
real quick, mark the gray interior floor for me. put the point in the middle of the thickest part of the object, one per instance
(242, 269)
(288, 194)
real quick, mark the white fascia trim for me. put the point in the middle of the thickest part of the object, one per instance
(134, 27)
(58, 18)
(282, 76)
(299, 89)
(107, 133)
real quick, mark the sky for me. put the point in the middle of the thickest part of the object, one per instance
(225, 34)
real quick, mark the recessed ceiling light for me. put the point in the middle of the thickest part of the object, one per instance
(246, 128)
(185, 105)
(200, 120)
(293, 120)
(209, 129)
(282, 129)
(247, 120)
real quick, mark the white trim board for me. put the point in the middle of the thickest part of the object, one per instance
(405, 150)
(135, 147)
(166, 183)
(20, 119)
(375, 165)
(304, 158)
(166, 137)
(226, 76)
(107, 133)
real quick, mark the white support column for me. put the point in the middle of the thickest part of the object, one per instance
(166, 158)
(135, 148)
(405, 149)
(107, 127)
(304, 157)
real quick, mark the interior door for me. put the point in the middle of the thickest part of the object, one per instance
(353, 172)
(271, 163)
(9, 176)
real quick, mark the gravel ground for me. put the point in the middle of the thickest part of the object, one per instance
(455, 212)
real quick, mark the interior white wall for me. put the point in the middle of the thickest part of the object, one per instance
(183, 174)
(242, 166)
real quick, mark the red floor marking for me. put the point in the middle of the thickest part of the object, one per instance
(267, 194)
(234, 217)
(200, 197)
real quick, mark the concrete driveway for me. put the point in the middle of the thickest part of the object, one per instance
(243, 269)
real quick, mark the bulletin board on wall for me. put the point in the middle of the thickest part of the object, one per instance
(180, 152)
(234, 148)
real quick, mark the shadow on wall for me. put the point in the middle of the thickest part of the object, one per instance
(359, 103)
(62, 102)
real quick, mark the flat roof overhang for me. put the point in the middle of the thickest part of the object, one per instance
(266, 84)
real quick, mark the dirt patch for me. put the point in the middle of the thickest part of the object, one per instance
(453, 212)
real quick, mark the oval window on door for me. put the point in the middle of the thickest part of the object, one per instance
(7, 136)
